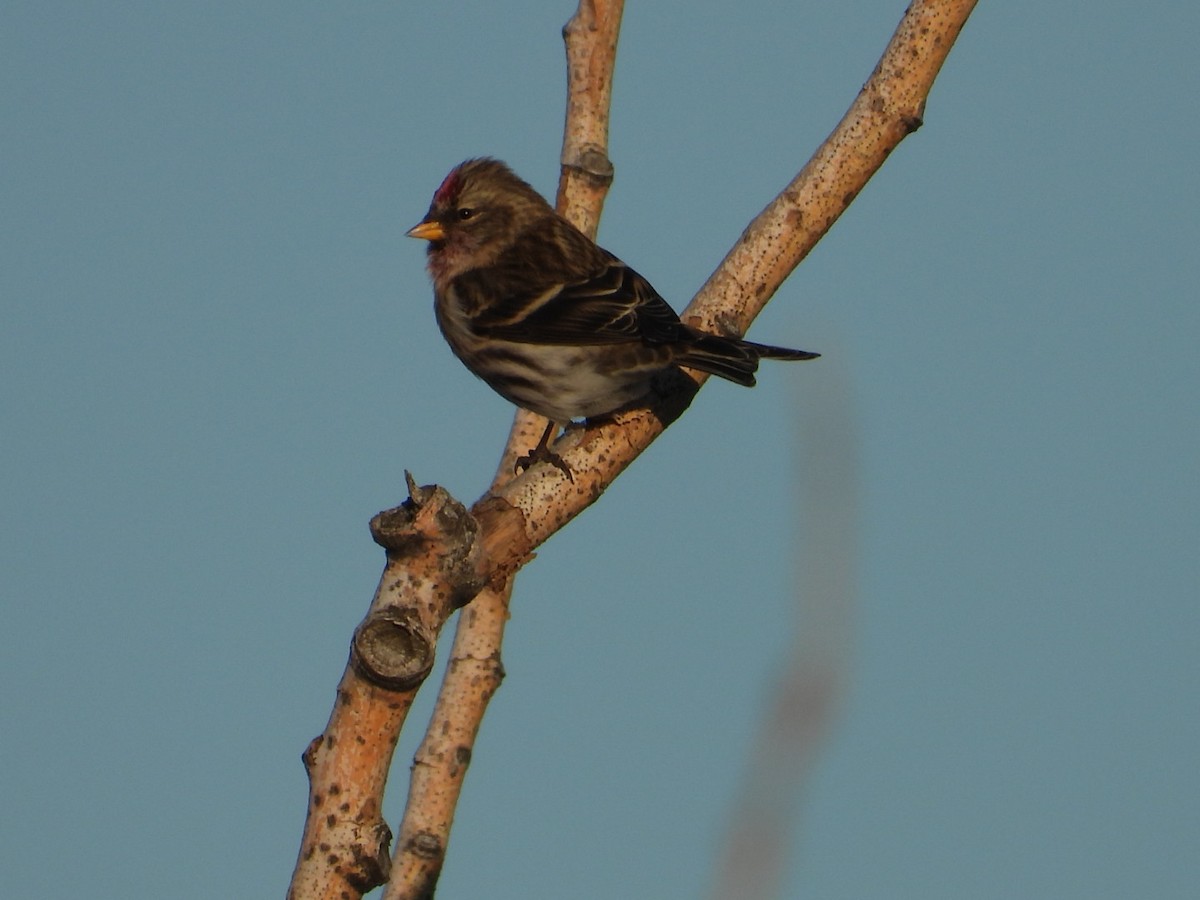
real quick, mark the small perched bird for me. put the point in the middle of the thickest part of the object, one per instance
(551, 321)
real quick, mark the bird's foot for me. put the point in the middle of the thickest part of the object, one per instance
(542, 453)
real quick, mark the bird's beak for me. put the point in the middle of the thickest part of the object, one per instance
(428, 231)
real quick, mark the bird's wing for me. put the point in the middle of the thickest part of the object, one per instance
(615, 305)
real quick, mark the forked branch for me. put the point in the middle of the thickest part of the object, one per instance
(519, 513)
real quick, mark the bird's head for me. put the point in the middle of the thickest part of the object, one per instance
(480, 210)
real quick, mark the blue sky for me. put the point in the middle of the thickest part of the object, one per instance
(218, 355)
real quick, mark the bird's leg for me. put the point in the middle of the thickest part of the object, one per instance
(543, 453)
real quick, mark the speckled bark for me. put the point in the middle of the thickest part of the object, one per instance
(434, 561)
(520, 512)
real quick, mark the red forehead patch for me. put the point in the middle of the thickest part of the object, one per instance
(448, 189)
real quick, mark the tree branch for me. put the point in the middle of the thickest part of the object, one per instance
(889, 107)
(434, 553)
(342, 853)
(474, 671)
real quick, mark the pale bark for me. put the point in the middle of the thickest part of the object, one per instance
(434, 552)
(342, 853)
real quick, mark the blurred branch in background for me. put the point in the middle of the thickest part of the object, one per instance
(804, 700)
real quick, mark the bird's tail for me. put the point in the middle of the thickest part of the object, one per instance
(734, 359)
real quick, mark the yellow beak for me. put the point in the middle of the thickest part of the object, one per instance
(428, 231)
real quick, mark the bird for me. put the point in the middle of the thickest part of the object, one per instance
(547, 318)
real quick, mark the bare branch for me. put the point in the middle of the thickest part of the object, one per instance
(587, 173)
(433, 552)
(888, 108)
(427, 573)
(474, 670)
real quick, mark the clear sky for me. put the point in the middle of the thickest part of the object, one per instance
(218, 355)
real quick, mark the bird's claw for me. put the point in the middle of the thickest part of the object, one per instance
(542, 453)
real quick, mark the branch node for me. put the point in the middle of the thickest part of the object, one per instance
(392, 529)
(391, 650)
(309, 756)
(433, 517)
(372, 860)
(508, 546)
(591, 164)
(426, 845)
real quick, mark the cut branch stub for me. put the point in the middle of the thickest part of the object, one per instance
(431, 535)
(392, 649)
(435, 554)
(433, 557)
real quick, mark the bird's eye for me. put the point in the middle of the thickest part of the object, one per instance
(465, 212)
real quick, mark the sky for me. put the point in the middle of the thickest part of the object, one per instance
(218, 357)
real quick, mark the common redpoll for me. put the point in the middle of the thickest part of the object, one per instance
(551, 321)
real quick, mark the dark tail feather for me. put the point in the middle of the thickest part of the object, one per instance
(766, 351)
(732, 359)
